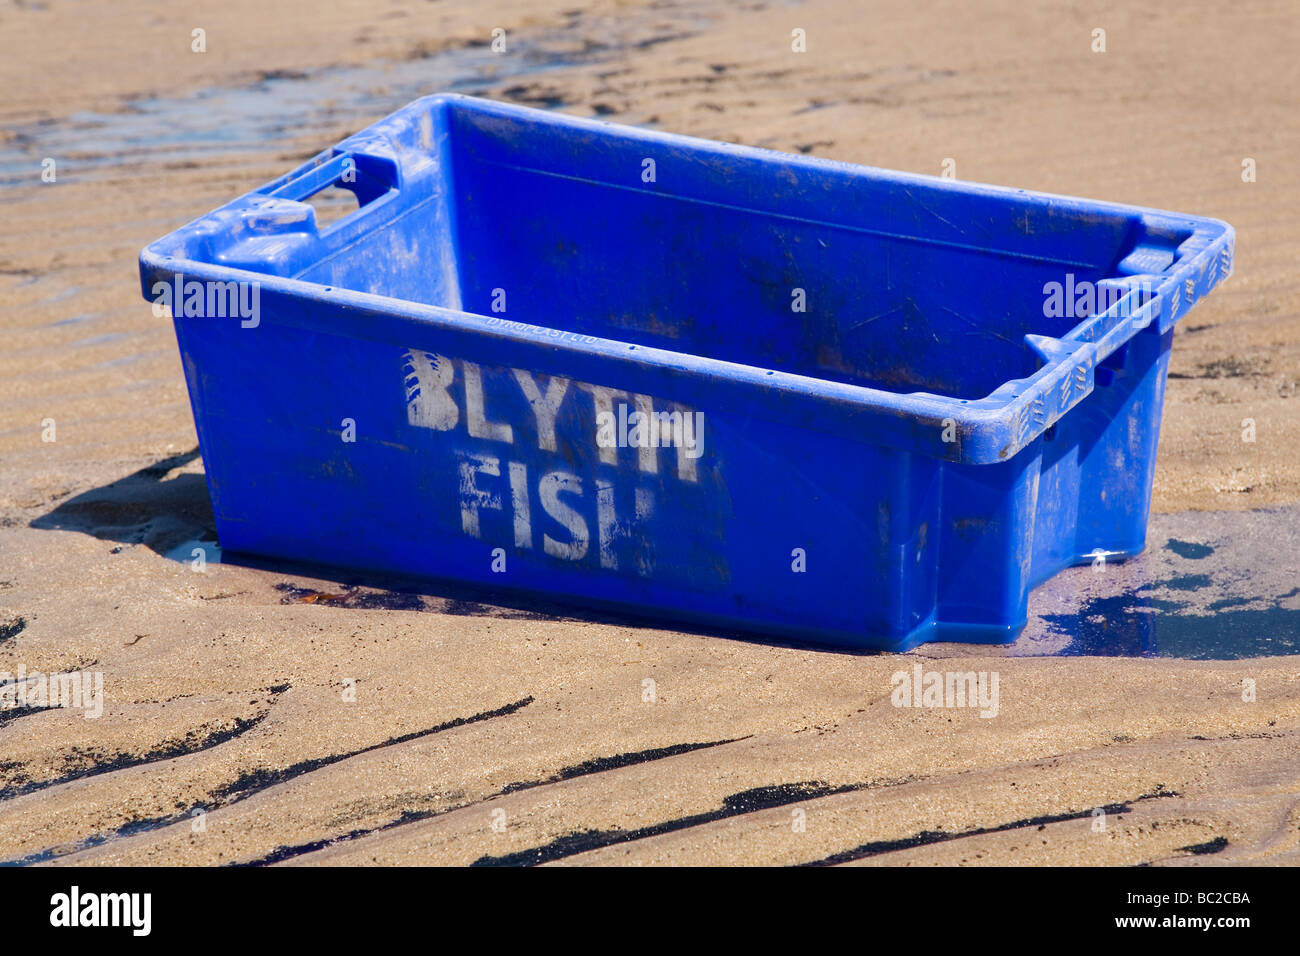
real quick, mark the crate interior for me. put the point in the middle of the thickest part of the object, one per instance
(825, 270)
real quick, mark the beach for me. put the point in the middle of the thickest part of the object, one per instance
(262, 712)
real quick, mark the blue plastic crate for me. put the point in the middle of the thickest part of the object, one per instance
(897, 407)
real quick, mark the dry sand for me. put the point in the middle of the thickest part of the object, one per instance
(487, 733)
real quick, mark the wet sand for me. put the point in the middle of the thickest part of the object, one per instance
(489, 733)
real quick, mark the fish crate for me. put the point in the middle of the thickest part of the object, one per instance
(684, 380)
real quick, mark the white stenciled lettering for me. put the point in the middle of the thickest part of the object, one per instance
(610, 529)
(690, 427)
(551, 487)
(645, 505)
(428, 401)
(603, 399)
(443, 392)
(648, 430)
(545, 405)
(475, 417)
(473, 498)
(520, 503)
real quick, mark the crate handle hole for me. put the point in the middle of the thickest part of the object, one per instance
(332, 203)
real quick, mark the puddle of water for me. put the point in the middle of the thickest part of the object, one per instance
(1189, 549)
(1210, 586)
(1230, 635)
(1130, 625)
(230, 120)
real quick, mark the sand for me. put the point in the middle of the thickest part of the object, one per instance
(274, 714)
